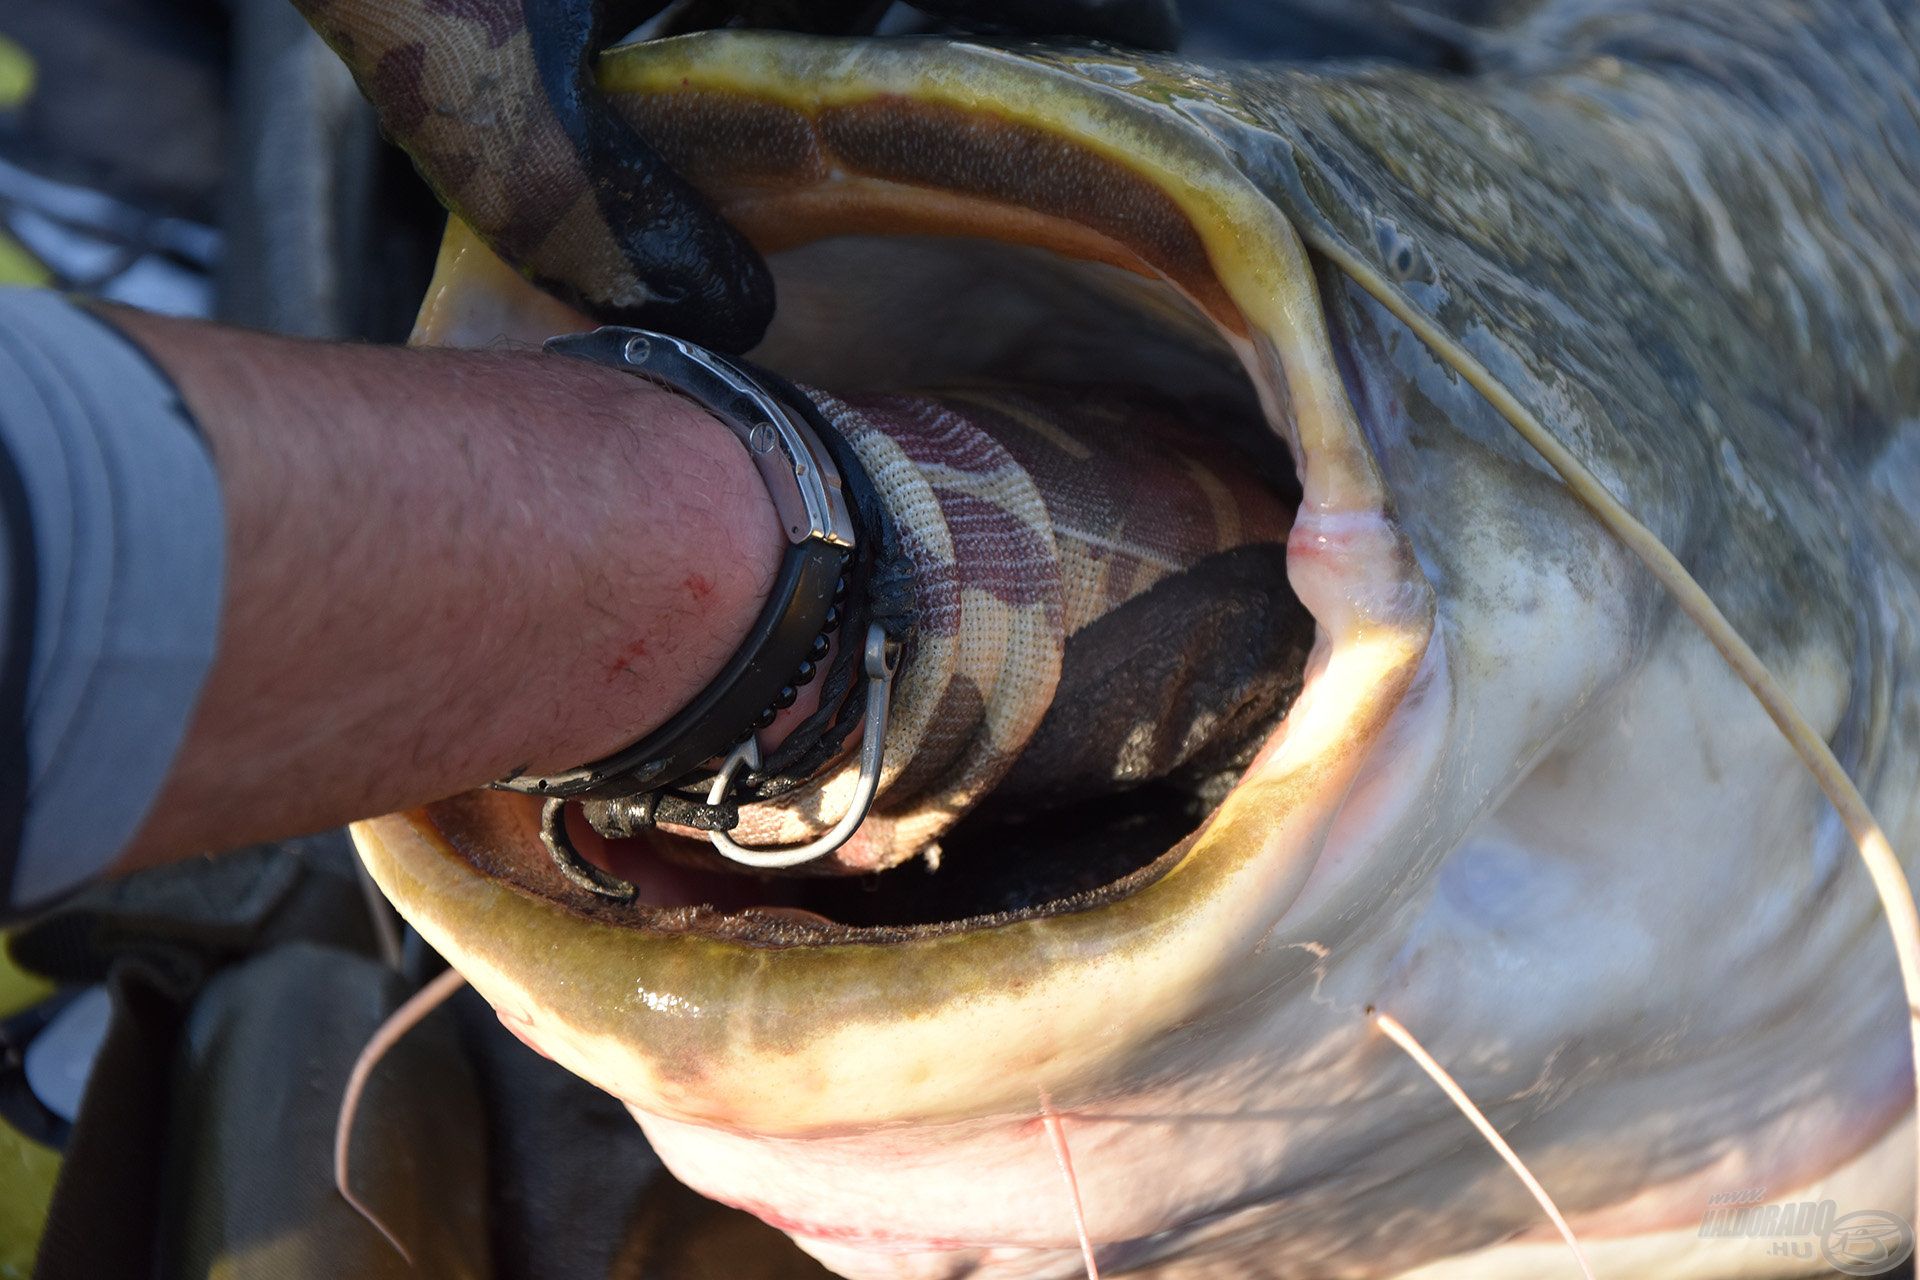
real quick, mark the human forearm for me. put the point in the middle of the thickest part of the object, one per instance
(443, 566)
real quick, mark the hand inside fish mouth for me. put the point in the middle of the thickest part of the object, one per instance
(1518, 801)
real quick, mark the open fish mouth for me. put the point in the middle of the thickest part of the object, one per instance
(818, 1058)
(870, 1073)
(712, 1000)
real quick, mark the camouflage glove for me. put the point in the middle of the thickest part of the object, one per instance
(1100, 601)
(495, 101)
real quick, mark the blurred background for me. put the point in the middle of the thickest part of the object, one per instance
(204, 157)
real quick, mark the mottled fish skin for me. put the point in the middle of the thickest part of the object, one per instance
(1682, 233)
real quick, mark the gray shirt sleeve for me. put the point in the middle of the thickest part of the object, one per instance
(114, 598)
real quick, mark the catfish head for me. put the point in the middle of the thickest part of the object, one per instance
(1519, 802)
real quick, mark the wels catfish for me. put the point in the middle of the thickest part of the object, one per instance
(1521, 802)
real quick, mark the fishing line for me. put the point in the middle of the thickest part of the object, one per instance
(1391, 1027)
(1057, 1134)
(402, 1020)
(1876, 850)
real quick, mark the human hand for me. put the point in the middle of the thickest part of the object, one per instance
(496, 102)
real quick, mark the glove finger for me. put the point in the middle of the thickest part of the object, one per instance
(495, 102)
(1141, 24)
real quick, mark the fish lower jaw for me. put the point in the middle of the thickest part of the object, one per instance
(858, 1262)
(845, 1034)
(992, 1205)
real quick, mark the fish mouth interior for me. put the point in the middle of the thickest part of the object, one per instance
(912, 311)
(920, 242)
(936, 211)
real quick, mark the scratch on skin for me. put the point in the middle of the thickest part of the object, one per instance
(623, 665)
(698, 586)
(1320, 953)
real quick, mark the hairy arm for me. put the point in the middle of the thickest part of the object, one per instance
(443, 566)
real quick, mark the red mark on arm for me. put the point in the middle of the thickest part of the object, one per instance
(623, 665)
(699, 586)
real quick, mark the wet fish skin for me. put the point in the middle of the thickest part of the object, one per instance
(1677, 230)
